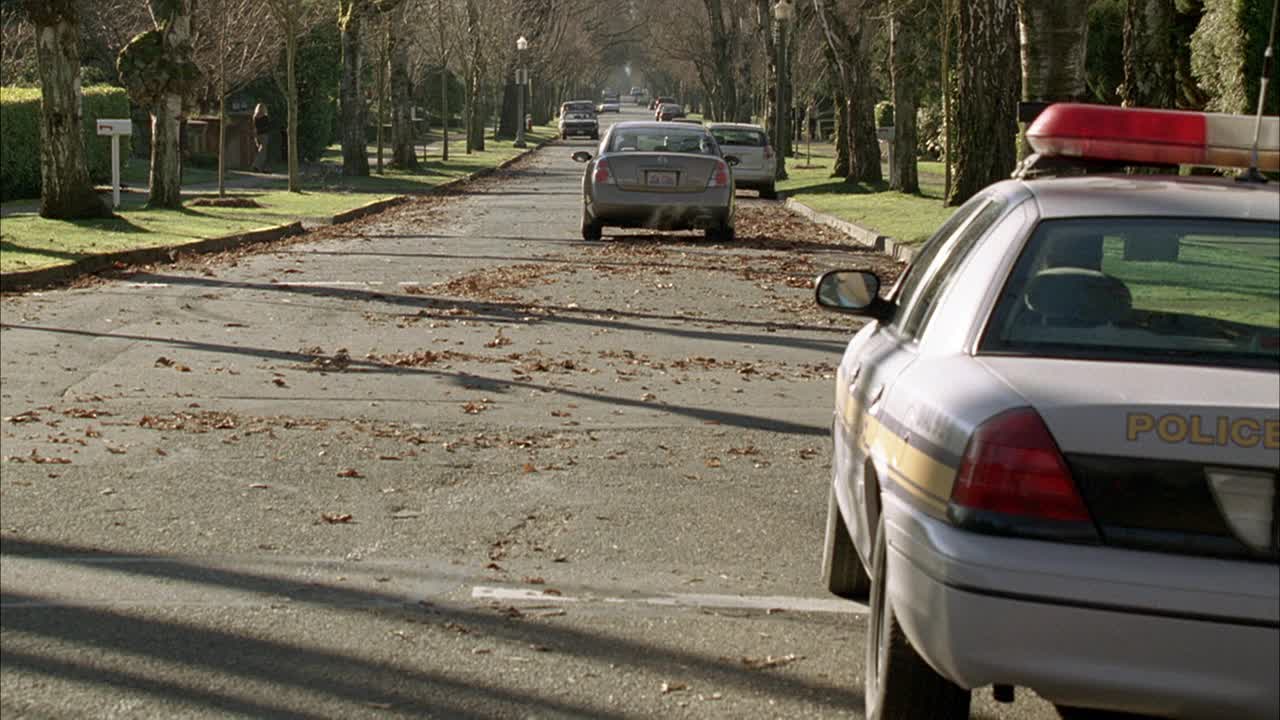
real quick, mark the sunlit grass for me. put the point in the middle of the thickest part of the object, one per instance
(29, 242)
(905, 218)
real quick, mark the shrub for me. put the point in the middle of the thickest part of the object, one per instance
(884, 114)
(930, 143)
(20, 137)
(1226, 54)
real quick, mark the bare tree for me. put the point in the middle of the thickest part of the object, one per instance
(293, 18)
(159, 73)
(238, 45)
(355, 149)
(17, 47)
(848, 26)
(403, 155)
(65, 190)
(905, 31)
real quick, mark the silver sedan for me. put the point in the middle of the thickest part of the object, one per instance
(661, 176)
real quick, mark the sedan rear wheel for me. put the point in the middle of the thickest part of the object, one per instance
(592, 230)
(769, 192)
(842, 569)
(900, 685)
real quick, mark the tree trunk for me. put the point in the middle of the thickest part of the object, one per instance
(987, 86)
(166, 115)
(444, 115)
(1150, 55)
(382, 88)
(166, 153)
(65, 190)
(222, 139)
(355, 148)
(475, 90)
(403, 156)
(724, 87)
(905, 73)
(291, 54)
(1053, 40)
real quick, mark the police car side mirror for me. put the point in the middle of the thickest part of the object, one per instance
(582, 156)
(852, 291)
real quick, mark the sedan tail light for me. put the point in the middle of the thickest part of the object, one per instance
(1014, 480)
(720, 176)
(602, 174)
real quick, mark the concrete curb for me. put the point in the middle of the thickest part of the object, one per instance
(42, 278)
(862, 236)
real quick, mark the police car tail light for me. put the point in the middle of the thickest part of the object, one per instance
(1142, 136)
(1012, 467)
(719, 176)
(602, 174)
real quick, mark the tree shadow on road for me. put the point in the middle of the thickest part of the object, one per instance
(164, 652)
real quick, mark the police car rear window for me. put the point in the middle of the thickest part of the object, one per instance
(1145, 289)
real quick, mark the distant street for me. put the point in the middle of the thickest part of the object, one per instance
(450, 461)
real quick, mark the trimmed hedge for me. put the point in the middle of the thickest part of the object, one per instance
(20, 137)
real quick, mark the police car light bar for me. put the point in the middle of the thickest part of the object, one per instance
(1141, 136)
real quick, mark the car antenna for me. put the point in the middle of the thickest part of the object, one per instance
(1252, 174)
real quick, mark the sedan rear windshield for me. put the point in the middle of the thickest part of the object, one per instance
(748, 138)
(1145, 289)
(671, 138)
(582, 107)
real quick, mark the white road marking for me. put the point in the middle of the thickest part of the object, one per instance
(693, 600)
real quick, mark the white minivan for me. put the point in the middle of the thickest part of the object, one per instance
(757, 165)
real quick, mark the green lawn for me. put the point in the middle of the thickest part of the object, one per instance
(906, 218)
(28, 241)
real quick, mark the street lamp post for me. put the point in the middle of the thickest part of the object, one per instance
(783, 11)
(522, 80)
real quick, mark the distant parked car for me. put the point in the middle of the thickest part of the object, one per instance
(757, 163)
(578, 117)
(609, 106)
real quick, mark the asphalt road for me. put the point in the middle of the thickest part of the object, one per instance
(446, 462)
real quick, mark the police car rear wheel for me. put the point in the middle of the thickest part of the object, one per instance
(900, 685)
(842, 569)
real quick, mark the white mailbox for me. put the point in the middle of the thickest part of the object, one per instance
(115, 128)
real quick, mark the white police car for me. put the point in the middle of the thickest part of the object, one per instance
(1057, 442)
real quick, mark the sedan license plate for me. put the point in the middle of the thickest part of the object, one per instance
(660, 178)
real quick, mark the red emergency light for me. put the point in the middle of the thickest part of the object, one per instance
(1142, 136)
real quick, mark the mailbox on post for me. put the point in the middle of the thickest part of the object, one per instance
(115, 128)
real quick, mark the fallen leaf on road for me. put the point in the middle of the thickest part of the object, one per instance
(279, 382)
(163, 361)
(528, 468)
(494, 566)
(259, 486)
(334, 518)
(533, 580)
(24, 417)
(670, 687)
(713, 462)
(768, 661)
(405, 514)
(350, 473)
